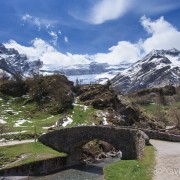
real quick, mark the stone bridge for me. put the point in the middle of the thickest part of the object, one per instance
(70, 140)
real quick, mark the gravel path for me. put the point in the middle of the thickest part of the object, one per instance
(167, 160)
(9, 143)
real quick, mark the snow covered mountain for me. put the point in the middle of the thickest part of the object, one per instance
(14, 63)
(88, 73)
(156, 69)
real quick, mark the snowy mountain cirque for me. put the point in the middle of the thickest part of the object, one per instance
(156, 69)
(15, 63)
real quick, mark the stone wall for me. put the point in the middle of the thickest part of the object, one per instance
(162, 135)
(36, 168)
(157, 134)
(70, 140)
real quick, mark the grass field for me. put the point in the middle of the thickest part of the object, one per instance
(22, 121)
(82, 115)
(168, 114)
(19, 117)
(24, 153)
(132, 169)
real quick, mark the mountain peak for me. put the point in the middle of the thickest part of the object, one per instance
(156, 69)
(174, 50)
(162, 51)
(15, 63)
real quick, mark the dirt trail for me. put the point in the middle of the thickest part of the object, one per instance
(167, 160)
(9, 143)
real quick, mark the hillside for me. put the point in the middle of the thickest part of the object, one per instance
(35, 106)
(162, 103)
(114, 109)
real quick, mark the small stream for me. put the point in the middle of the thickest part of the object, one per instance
(80, 172)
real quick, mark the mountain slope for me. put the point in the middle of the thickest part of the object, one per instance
(114, 109)
(14, 63)
(156, 69)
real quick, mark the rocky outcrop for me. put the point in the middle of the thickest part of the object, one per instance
(119, 108)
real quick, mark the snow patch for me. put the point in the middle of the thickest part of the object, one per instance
(85, 108)
(69, 121)
(50, 117)
(82, 124)
(20, 122)
(93, 78)
(45, 127)
(14, 132)
(105, 121)
(8, 110)
(2, 121)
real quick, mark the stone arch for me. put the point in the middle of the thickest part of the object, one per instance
(75, 150)
(70, 140)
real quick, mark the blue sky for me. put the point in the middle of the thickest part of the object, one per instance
(110, 31)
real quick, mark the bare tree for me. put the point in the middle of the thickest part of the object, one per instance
(176, 115)
(162, 98)
(160, 115)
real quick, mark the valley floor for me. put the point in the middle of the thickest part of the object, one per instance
(167, 160)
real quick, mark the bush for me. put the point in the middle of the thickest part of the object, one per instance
(53, 91)
(14, 88)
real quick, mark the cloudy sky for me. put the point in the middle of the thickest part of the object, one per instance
(66, 32)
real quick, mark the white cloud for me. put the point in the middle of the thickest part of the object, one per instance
(59, 32)
(48, 54)
(38, 22)
(33, 20)
(26, 17)
(54, 37)
(124, 51)
(106, 10)
(66, 40)
(162, 35)
(154, 7)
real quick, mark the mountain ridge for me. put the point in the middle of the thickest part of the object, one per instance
(157, 69)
